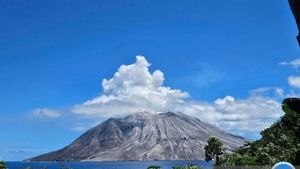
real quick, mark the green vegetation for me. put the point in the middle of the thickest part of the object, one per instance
(213, 150)
(186, 167)
(154, 167)
(3, 165)
(280, 142)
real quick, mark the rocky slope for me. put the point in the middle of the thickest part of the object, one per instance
(144, 136)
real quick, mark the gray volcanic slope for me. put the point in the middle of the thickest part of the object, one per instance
(144, 136)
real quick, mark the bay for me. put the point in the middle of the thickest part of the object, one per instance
(103, 165)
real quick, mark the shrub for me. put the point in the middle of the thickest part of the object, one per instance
(3, 165)
(186, 167)
(154, 167)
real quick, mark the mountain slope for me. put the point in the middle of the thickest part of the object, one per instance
(144, 136)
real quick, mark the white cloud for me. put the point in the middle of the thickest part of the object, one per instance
(265, 91)
(45, 112)
(134, 89)
(252, 114)
(294, 81)
(295, 63)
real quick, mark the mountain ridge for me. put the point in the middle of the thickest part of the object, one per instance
(144, 136)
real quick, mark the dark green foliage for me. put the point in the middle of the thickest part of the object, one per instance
(3, 165)
(280, 142)
(213, 150)
(154, 167)
(186, 167)
(293, 104)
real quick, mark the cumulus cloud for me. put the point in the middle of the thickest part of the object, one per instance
(294, 81)
(133, 88)
(236, 115)
(46, 113)
(295, 63)
(251, 114)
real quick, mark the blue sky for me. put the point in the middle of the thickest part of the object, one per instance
(55, 54)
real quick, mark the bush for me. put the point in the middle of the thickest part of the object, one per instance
(186, 167)
(154, 167)
(3, 165)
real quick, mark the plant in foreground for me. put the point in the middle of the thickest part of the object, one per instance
(3, 165)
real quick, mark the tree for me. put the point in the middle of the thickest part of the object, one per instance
(213, 150)
(279, 142)
(153, 167)
(2, 165)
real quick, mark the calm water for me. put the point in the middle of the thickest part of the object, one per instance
(104, 165)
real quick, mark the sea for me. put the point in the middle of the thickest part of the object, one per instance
(104, 165)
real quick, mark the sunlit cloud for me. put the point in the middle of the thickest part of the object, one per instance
(294, 81)
(133, 88)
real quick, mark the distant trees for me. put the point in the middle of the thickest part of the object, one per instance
(213, 150)
(3, 165)
(154, 167)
